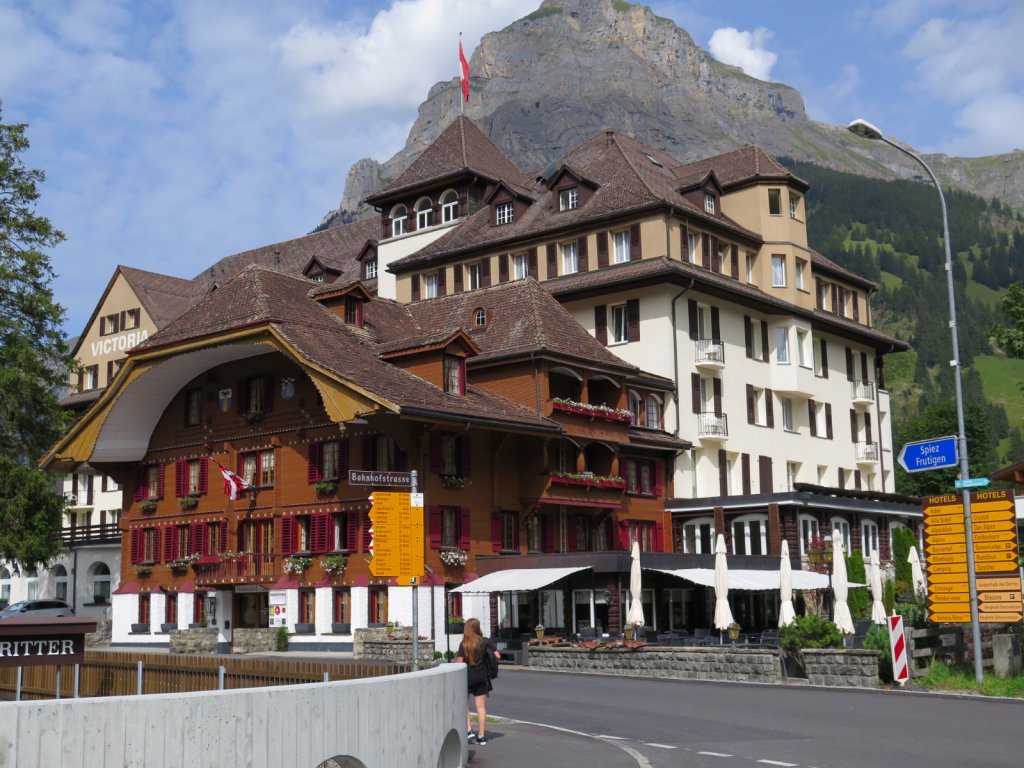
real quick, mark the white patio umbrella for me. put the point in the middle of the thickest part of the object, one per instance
(723, 613)
(875, 582)
(840, 587)
(916, 574)
(635, 616)
(786, 612)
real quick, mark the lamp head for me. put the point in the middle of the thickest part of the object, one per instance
(864, 129)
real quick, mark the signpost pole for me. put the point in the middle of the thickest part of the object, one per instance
(415, 606)
(17, 685)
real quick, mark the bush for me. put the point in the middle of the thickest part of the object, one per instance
(877, 639)
(859, 598)
(889, 597)
(449, 655)
(902, 540)
(811, 631)
(438, 655)
(281, 639)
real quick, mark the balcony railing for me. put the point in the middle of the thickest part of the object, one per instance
(712, 426)
(245, 567)
(866, 452)
(862, 391)
(108, 533)
(710, 352)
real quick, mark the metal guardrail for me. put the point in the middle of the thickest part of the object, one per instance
(108, 533)
(710, 424)
(710, 351)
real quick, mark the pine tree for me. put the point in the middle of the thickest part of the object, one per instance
(35, 362)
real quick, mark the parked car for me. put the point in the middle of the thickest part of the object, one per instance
(34, 609)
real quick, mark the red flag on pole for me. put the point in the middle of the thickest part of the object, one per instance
(464, 69)
(234, 485)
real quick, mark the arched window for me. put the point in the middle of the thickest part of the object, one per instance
(842, 525)
(449, 206)
(32, 584)
(60, 583)
(5, 586)
(424, 213)
(479, 317)
(750, 535)
(636, 407)
(653, 420)
(869, 537)
(100, 577)
(399, 220)
(809, 531)
(697, 536)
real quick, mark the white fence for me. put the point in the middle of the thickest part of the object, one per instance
(400, 721)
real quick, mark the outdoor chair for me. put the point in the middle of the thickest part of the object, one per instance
(587, 633)
(770, 637)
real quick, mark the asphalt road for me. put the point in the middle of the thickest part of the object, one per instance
(719, 725)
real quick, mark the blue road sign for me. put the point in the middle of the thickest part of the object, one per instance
(923, 455)
(972, 482)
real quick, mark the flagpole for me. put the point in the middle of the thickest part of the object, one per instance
(462, 90)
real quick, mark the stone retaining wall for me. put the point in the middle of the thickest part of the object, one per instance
(198, 640)
(378, 644)
(256, 640)
(842, 668)
(726, 663)
(101, 636)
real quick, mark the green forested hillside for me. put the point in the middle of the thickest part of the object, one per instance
(891, 232)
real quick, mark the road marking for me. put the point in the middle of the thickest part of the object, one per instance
(778, 762)
(610, 738)
(659, 746)
(641, 760)
(715, 754)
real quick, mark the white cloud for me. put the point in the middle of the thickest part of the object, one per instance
(744, 50)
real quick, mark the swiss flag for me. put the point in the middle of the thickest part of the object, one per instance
(464, 69)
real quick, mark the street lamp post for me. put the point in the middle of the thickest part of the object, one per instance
(868, 131)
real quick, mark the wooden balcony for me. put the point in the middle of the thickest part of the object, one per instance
(246, 568)
(77, 535)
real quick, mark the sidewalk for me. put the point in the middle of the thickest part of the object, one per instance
(517, 745)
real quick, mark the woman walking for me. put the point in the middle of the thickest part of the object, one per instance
(478, 654)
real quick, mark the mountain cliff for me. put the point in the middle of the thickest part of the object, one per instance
(552, 79)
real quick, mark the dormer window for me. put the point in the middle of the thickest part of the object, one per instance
(353, 311)
(454, 375)
(399, 220)
(568, 199)
(709, 204)
(317, 278)
(479, 317)
(430, 286)
(449, 206)
(504, 213)
(370, 268)
(424, 213)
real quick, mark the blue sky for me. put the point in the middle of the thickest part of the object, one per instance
(175, 133)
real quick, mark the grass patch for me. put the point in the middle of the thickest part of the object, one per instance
(942, 677)
(1001, 377)
(540, 13)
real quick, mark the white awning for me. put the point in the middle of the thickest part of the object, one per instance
(753, 580)
(517, 580)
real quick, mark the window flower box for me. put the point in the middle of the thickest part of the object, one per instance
(148, 506)
(456, 625)
(143, 570)
(333, 564)
(592, 481)
(454, 558)
(231, 557)
(303, 628)
(168, 627)
(188, 503)
(341, 628)
(454, 482)
(296, 564)
(253, 417)
(140, 629)
(326, 487)
(591, 411)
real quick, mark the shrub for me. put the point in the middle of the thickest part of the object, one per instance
(811, 631)
(888, 597)
(438, 655)
(902, 540)
(281, 639)
(859, 598)
(877, 639)
(449, 655)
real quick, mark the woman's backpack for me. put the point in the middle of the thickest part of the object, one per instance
(490, 661)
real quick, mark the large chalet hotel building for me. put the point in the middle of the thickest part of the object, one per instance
(625, 347)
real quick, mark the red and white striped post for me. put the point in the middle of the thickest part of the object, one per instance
(898, 645)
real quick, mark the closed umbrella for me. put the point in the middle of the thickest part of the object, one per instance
(786, 612)
(875, 582)
(916, 574)
(635, 616)
(723, 613)
(841, 611)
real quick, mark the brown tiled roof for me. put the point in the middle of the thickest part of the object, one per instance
(629, 182)
(655, 439)
(824, 263)
(522, 318)
(653, 271)
(740, 166)
(461, 147)
(163, 297)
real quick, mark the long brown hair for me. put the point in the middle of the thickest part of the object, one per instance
(472, 641)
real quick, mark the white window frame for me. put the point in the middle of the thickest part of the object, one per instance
(787, 415)
(693, 243)
(745, 521)
(449, 206)
(800, 274)
(620, 246)
(371, 269)
(751, 263)
(504, 213)
(423, 213)
(709, 204)
(430, 286)
(869, 538)
(802, 340)
(653, 412)
(842, 525)
(778, 270)
(756, 350)
(570, 258)
(691, 530)
(794, 205)
(569, 199)
(520, 266)
(760, 408)
(774, 202)
(782, 345)
(399, 219)
(474, 276)
(808, 528)
(792, 474)
(617, 324)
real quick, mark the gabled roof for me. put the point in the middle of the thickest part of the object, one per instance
(743, 165)
(162, 296)
(825, 264)
(462, 148)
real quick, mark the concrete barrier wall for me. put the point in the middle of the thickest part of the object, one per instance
(416, 719)
(723, 663)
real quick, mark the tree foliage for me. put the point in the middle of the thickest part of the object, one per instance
(1010, 337)
(35, 362)
(858, 598)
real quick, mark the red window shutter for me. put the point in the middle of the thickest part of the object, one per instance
(180, 475)
(195, 538)
(811, 413)
(224, 546)
(268, 394)
(548, 534)
(466, 449)
(415, 287)
(170, 545)
(695, 392)
(623, 536)
(343, 451)
(435, 453)
(602, 249)
(659, 537)
(136, 544)
(691, 311)
(160, 481)
(570, 533)
(716, 264)
(533, 263)
(288, 535)
(319, 525)
(705, 252)
(828, 420)
(352, 532)
(769, 407)
(485, 273)
(684, 243)
(581, 252)
(464, 537)
(204, 473)
(329, 543)
(369, 457)
(503, 268)
(552, 260)
(496, 530)
(313, 463)
(633, 320)
(601, 323)
(402, 458)
(140, 483)
(748, 335)
(734, 261)
(434, 526)
(634, 243)
(659, 477)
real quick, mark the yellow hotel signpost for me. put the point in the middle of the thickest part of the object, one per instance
(994, 528)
